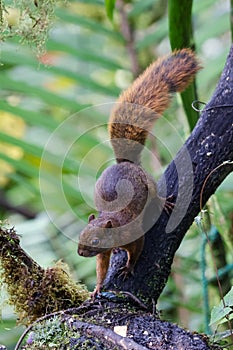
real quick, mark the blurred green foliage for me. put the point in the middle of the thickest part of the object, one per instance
(54, 107)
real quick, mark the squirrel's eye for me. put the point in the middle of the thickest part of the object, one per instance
(95, 242)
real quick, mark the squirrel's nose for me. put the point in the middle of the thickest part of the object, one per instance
(80, 252)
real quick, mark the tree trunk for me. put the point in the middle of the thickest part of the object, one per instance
(192, 177)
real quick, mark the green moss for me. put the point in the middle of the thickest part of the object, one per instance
(51, 333)
(48, 334)
(34, 291)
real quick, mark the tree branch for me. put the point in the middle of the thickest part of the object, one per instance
(210, 146)
(143, 330)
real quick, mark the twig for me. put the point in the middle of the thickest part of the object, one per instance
(108, 335)
(128, 34)
(135, 299)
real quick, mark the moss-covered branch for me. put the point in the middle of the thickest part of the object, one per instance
(94, 326)
(32, 290)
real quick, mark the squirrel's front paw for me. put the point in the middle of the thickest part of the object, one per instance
(168, 204)
(126, 271)
(96, 292)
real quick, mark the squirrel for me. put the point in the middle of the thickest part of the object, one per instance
(124, 191)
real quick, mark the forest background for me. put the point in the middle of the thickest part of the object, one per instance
(59, 87)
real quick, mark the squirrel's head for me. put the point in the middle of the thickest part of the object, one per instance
(96, 237)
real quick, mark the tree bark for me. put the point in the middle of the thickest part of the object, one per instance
(193, 176)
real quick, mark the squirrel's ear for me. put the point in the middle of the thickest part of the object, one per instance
(91, 217)
(108, 224)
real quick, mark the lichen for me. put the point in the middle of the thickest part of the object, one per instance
(49, 333)
(28, 20)
(58, 333)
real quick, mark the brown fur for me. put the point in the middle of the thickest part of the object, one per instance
(124, 191)
(147, 98)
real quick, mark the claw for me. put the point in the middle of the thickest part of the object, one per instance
(126, 271)
(169, 204)
(96, 292)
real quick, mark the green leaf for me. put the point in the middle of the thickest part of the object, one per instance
(37, 151)
(218, 313)
(20, 180)
(32, 171)
(222, 309)
(30, 117)
(45, 95)
(222, 335)
(202, 6)
(94, 2)
(210, 27)
(21, 165)
(140, 7)
(26, 146)
(151, 39)
(110, 5)
(228, 299)
(84, 55)
(95, 27)
(82, 79)
(224, 320)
